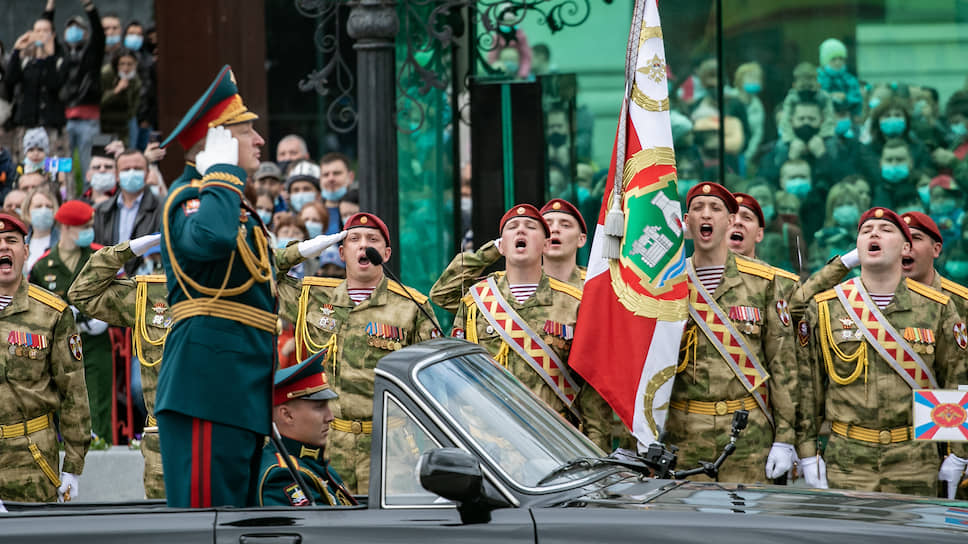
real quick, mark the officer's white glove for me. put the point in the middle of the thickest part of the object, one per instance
(92, 326)
(220, 148)
(314, 246)
(850, 259)
(781, 459)
(951, 471)
(141, 245)
(74, 311)
(814, 471)
(68, 488)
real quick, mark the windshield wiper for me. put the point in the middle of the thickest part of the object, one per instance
(590, 462)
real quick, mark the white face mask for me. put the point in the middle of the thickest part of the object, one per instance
(103, 181)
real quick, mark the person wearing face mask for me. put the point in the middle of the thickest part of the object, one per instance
(39, 207)
(101, 177)
(146, 115)
(36, 146)
(749, 84)
(302, 185)
(797, 179)
(336, 178)
(891, 120)
(55, 271)
(947, 207)
(806, 128)
(268, 181)
(111, 23)
(898, 178)
(121, 94)
(133, 211)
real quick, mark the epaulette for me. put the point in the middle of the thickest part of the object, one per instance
(401, 290)
(565, 288)
(42, 295)
(955, 288)
(150, 278)
(581, 272)
(785, 274)
(826, 295)
(927, 292)
(322, 282)
(764, 271)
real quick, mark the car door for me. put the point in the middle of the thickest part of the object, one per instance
(107, 524)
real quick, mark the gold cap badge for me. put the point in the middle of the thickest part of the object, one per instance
(706, 188)
(363, 220)
(879, 213)
(556, 206)
(520, 210)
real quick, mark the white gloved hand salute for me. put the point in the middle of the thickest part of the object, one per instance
(68, 488)
(952, 470)
(139, 246)
(220, 148)
(781, 459)
(850, 259)
(314, 246)
(814, 471)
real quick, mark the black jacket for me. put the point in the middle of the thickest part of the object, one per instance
(34, 87)
(106, 217)
(83, 66)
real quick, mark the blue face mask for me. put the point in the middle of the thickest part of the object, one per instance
(112, 40)
(335, 195)
(769, 212)
(132, 181)
(873, 103)
(752, 88)
(798, 187)
(133, 42)
(893, 173)
(834, 71)
(31, 166)
(265, 216)
(959, 129)
(74, 34)
(42, 218)
(925, 193)
(892, 126)
(314, 228)
(843, 128)
(847, 215)
(85, 237)
(684, 185)
(299, 200)
(281, 243)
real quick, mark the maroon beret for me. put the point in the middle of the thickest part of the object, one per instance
(563, 206)
(886, 215)
(920, 221)
(708, 188)
(744, 199)
(368, 221)
(525, 210)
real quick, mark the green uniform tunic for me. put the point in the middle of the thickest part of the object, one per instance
(276, 485)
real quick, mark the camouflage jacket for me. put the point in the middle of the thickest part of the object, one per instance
(875, 396)
(358, 335)
(44, 373)
(957, 292)
(748, 288)
(467, 268)
(827, 277)
(551, 313)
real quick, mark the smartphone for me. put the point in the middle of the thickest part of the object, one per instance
(154, 136)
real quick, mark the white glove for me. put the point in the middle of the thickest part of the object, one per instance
(497, 243)
(220, 148)
(951, 471)
(92, 326)
(781, 459)
(74, 311)
(314, 246)
(850, 259)
(2, 507)
(140, 245)
(68, 487)
(814, 471)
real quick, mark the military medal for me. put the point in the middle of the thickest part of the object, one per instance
(803, 332)
(51, 280)
(25, 344)
(159, 308)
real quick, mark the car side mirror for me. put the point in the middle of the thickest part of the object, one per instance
(456, 475)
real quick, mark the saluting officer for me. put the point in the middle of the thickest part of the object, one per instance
(358, 320)
(303, 414)
(526, 320)
(41, 372)
(732, 352)
(865, 345)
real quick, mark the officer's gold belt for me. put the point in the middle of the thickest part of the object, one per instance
(28, 427)
(226, 309)
(151, 425)
(718, 408)
(874, 436)
(356, 426)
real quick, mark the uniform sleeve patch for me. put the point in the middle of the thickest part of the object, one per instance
(803, 332)
(458, 333)
(783, 310)
(191, 206)
(74, 343)
(961, 335)
(296, 495)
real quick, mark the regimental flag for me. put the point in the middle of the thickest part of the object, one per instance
(635, 304)
(941, 415)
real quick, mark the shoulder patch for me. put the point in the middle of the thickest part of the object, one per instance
(826, 295)
(42, 295)
(150, 278)
(565, 288)
(754, 269)
(322, 282)
(785, 274)
(402, 291)
(927, 292)
(954, 288)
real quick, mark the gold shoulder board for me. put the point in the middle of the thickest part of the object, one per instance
(582, 271)
(927, 292)
(42, 295)
(402, 290)
(785, 274)
(150, 278)
(565, 288)
(754, 269)
(322, 282)
(955, 288)
(826, 295)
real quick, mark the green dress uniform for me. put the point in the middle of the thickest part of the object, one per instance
(550, 313)
(41, 373)
(214, 390)
(868, 403)
(707, 391)
(53, 274)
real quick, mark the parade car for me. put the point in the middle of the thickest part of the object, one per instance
(462, 452)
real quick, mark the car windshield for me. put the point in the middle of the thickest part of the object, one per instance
(518, 432)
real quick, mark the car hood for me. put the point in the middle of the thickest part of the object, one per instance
(680, 496)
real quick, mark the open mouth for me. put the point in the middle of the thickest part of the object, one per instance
(520, 244)
(736, 236)
(363, 260)
(6, 263)
(556, 242)
(705, 231)
(907, 262)
(874, 247)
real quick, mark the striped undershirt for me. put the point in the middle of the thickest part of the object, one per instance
(882, 300)
(523, 291)
(359, 295)
(710, 276)
(5, 301)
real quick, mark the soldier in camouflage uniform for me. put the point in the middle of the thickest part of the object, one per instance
(41, 372)
(750, 308)
(568, 234)
(358, 333)
(550, 312)
(862, 380)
